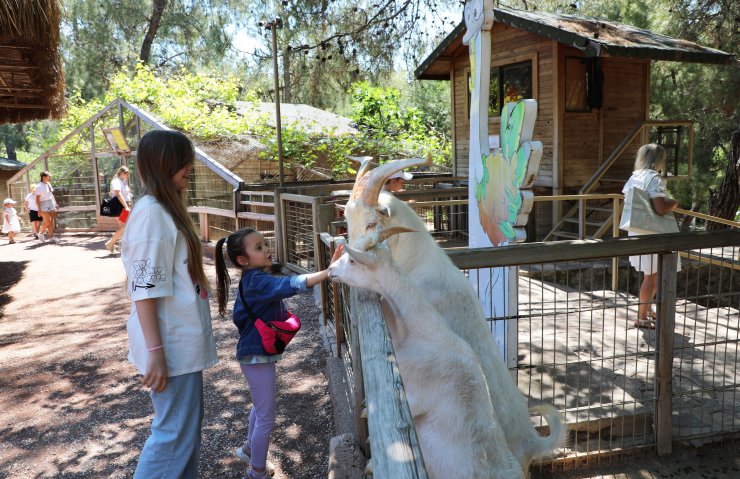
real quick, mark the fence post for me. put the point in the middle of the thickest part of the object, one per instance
(665, 329)
(279, 226)
(359, 386)
(615, 234)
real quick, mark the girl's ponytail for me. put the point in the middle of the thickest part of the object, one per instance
(223, 280)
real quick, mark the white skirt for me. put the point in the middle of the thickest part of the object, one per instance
(648, 263)
(14, 225)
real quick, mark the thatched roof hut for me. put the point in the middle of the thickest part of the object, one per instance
(31, 75)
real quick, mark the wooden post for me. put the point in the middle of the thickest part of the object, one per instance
(664, 365)
(323, 214)
(615, 233)
(279, 226)
(357, 373)
(96, 174)
(392, 435)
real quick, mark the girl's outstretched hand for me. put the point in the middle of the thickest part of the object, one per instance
(156, 371)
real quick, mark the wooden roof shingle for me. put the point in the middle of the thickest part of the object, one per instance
(596, 37)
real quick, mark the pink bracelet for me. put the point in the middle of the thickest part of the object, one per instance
(155, 348)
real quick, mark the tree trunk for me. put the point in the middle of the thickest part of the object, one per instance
(10, 149)
(724, 202)
(158, 7)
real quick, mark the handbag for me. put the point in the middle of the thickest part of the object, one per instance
(638, 215)
(111, 207)
(275, 335)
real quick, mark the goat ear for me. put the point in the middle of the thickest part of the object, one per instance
(384, 211)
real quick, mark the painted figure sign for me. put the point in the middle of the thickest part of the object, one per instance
(500, 177)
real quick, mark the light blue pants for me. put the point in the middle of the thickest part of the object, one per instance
(261, 380)
(173, 448)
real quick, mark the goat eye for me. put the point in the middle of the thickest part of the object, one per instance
(371, 225)
(351, 261)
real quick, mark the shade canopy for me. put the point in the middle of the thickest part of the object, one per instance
(31, 74)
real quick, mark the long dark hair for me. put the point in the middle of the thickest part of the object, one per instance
(234, 248)
(161, 154)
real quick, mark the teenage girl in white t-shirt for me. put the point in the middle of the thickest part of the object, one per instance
(169, 328)
(119, 189)
(651, 159)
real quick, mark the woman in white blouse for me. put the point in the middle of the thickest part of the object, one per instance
(650, 161)
(119, 189)
(47, 206)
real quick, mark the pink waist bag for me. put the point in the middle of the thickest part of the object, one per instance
(277, 334)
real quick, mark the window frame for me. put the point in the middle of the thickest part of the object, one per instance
(499, 63)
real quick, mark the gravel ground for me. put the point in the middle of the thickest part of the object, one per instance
(71, 405)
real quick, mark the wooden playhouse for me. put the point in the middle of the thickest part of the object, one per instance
(591, 79)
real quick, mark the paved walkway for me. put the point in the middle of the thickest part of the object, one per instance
(71, 405)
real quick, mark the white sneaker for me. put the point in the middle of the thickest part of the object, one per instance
(244, 454)
(42, 239)
(54, 240)
(110, 246)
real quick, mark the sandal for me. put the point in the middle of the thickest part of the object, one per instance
(646, 323)
(652, 315)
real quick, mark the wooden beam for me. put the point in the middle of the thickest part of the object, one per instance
(535, 253)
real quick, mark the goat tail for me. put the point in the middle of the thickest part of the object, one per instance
(555, 421)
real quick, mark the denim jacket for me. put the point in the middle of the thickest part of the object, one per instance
(264, 294)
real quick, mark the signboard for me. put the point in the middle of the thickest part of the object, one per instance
(116, 140)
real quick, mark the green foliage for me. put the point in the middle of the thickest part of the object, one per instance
(204, 107)
(390, 129)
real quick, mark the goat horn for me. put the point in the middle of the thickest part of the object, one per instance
(371, 190)
(386, 233)
(362, 257)
(364, 168)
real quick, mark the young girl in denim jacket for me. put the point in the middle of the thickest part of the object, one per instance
(263, 294)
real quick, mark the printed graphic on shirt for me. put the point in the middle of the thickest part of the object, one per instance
(146, 276)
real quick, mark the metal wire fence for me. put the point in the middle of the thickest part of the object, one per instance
(570, 338)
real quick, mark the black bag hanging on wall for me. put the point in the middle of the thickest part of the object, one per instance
(111, 207)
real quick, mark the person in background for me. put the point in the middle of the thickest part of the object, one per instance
(119, 189)
(47, 207)
(33, 211)
(169, 328)
(397, 181)
(650, 161)
(11, 224)
(260, 296)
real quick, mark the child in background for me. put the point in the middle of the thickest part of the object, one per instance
(11, 224)
(33, 211)
(263, 294)
(169, 328)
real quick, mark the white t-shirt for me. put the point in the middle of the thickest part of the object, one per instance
(44, 190)
(31, 199)
(120, 185)
(155, 256)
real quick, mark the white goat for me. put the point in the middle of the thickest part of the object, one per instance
(445, 388)
(370, 210)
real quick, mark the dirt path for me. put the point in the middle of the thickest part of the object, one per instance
(71, 405)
